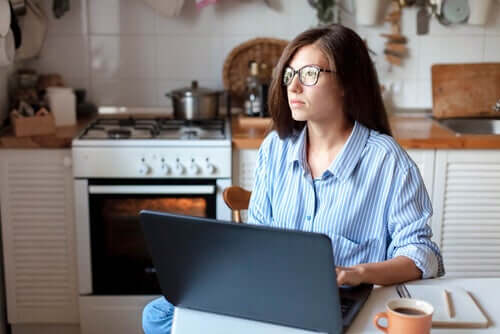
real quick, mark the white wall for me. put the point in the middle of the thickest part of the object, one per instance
(124, 53)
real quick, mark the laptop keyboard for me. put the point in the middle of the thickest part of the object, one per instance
(345, 305)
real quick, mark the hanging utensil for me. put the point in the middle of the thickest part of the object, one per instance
(423, 18)
(450, 11)
(19, 7)
(34, 29)
(4, 17)
(436, 11)
(59, 7)
(407, 3)
(14, 26)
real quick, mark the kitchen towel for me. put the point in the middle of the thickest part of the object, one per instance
(275, 4)
(203, 3)
(167, 8)
(7, 49)
(34, 29)
(4, 17)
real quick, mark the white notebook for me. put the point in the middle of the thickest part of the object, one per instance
(466, 312)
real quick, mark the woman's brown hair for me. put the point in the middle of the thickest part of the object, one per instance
(355, 72)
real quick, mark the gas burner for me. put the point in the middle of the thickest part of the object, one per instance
(119, 133)
(189, 133)
(127, 122)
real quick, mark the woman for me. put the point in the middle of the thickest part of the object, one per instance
(331, 166)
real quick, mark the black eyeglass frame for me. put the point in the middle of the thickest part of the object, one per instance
(319, 69)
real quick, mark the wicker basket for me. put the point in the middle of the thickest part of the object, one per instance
(262, 50)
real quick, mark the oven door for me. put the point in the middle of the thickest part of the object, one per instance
(112, 253)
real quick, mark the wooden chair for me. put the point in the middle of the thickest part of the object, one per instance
(237, 199)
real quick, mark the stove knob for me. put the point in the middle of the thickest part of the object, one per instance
(209, 168)
(165, 168)
(145, 169)
(193, 168)
(179, 168)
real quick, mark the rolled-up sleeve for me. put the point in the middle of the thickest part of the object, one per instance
(259, 209)
(409, 212)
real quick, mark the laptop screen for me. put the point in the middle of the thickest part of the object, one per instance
(253, 272)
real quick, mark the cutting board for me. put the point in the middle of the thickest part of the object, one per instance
(465, 90)
(466, 313)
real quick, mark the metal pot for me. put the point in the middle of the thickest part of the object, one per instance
(195, 103)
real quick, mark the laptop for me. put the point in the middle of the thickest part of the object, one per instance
(271, 275)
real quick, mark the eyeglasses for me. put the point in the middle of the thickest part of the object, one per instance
(308, 75)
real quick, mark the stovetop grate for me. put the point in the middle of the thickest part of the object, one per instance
(157, 128)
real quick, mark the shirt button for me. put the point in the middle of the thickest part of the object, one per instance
(308, 217)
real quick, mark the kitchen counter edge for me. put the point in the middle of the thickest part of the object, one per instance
(410, 131)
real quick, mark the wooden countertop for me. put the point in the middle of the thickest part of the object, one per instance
(411, 132)
(61, 139)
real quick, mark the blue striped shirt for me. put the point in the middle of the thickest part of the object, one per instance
(371, 201)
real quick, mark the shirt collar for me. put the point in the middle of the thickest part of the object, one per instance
(347, 159)
(298, 150)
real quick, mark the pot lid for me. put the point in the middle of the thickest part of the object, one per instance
(456, 11)
(194, 90)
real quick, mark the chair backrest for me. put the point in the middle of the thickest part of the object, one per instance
(237, 199)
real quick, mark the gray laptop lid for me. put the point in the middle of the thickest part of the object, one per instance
(253, 272)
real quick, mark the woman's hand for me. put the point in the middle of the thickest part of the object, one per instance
(397, 270)
(350, 275)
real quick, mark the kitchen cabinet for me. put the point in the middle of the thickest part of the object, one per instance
(112, 314)
(425, 160)
(467, 207)
(244, 162)
(37, 213)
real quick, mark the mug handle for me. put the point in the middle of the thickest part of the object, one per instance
(378, 316)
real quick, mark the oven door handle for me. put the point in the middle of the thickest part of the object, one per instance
(154, 190)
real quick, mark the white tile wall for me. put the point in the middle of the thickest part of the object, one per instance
(74, 22)
(448, 49)
(120, 17)
(125, 53)
(123, 56)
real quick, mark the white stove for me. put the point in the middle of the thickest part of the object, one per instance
(124, 164)
(136, 146)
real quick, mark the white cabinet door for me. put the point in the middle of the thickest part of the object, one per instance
(38, 236)
(244, 168)
(467, 205)
(112, 314)
(425, 162)
(243, 171)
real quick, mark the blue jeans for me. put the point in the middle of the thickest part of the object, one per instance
(157, 317)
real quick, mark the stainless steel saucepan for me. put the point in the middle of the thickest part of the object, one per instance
(195, 103)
